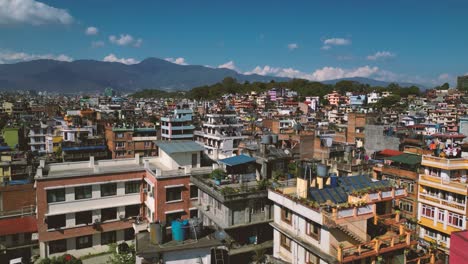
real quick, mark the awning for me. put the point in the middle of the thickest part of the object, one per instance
(406, 158)
(390, 152)
(237, 160)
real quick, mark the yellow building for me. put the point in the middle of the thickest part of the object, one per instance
(442, 199)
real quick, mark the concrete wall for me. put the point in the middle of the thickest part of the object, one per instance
(195, 256)
(376, 140)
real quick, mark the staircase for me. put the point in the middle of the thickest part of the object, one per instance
(350, 233)
(218, 256)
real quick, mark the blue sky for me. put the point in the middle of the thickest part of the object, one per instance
(417, 41)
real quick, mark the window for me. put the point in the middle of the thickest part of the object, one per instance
(56, 221)
(455, 219)
(193, 213)
(313, 230)
(173, 194)
(108, 238)
(120, 135)
(108, 214)
(311, 258)
(286, 215)
(83, 192)
(285, 242)
(406, 206)
(84, 218)
(108, 189)
(132, 210)
(441, 216)
(129, 234)
(173, 216)
(57, 246)
(430, 233)
(84, 242)
(132, 187)
(193, 192)
(56, 195)
(427, 211)
(147, 144)
(410, 187)
(258, 207)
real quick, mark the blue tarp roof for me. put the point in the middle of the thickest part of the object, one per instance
(237, 160)
(84, 148)
(2, 148)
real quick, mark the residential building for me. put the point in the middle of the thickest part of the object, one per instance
(220, 135)
(177, 125)
(462, 83)
(126, 140)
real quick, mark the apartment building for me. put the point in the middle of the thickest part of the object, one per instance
(177, 125)
(126, 140)
(82, 207)
(341, 220)
(220, 135)
(442, 199)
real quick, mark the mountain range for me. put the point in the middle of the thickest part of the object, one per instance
(152, 73)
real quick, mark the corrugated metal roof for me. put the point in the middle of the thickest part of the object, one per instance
(171, 147)
(410, 159)
(237, 160)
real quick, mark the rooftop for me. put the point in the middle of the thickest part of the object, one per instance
(171, 147)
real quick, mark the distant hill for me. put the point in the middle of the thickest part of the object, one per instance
(152, 73)
(373, 82)
(91, 75)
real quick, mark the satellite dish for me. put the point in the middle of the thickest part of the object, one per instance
(220, 235)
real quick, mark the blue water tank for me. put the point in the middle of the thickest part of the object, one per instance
(178, 230)
(322, 170)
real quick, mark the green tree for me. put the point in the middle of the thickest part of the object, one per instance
(127, 257)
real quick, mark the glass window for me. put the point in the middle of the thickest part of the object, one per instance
(57, 246)
(313, 230)
(173, 194)
(132, 210)
(108, 238)
(132, 187)
(427, 211)
(193, 213)
(194, 160)
(83, 192)
(129, 234)
(84, 218)
(56, 221)
(258, 207)
(172, 217)
(285, 242)
(108, 214)
(56, 195)
(286, 215)
(108, 189)
(455, 219)
(84, 242)
(193, 192)
(311, 258)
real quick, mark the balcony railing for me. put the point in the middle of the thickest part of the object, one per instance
(437, 200)
(445, 163)
(145, 138)
(451, 182)
(399, 172)
(26, 210)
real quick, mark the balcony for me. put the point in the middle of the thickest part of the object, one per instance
(399, 172)
(434, 200)
(445, 163)
(151, 138)
(451, 184)
(373, 196)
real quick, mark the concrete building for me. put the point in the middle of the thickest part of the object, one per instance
(462, 83)
(220, 135)
(177, 125)
(82, 207)
(320, 222)
(126, 140)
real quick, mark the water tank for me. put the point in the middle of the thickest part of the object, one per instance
(266, 139)
(178, 230)
(274, 139)
(322, 170)
(333, 181)
(156, 233)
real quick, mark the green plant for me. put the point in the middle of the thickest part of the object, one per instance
(228, 190)
(127, 257)
(263, 184)
(218, 174)
(64, 259)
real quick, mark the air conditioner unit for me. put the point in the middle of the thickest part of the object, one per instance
(122, 217)
(97, 221)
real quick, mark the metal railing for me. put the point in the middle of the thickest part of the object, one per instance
(24, 211)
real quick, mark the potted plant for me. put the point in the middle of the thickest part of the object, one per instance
(218, 175)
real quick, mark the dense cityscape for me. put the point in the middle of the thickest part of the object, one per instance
(233, 132)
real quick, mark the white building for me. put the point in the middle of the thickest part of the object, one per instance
(178, 125)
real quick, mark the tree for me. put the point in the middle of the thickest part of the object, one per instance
(389, 101)
(64, 259)
(126, 256)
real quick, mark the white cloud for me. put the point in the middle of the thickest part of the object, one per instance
(325, 47)
(112, 58)
(97, 44)
(293, 46)
(180, 60)
(325, 73)
(381, 55)
(444, 77)
(11, 57)
(228, 65)
(125, 40)
(31, 12)
(328, 43)
(92, 31)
